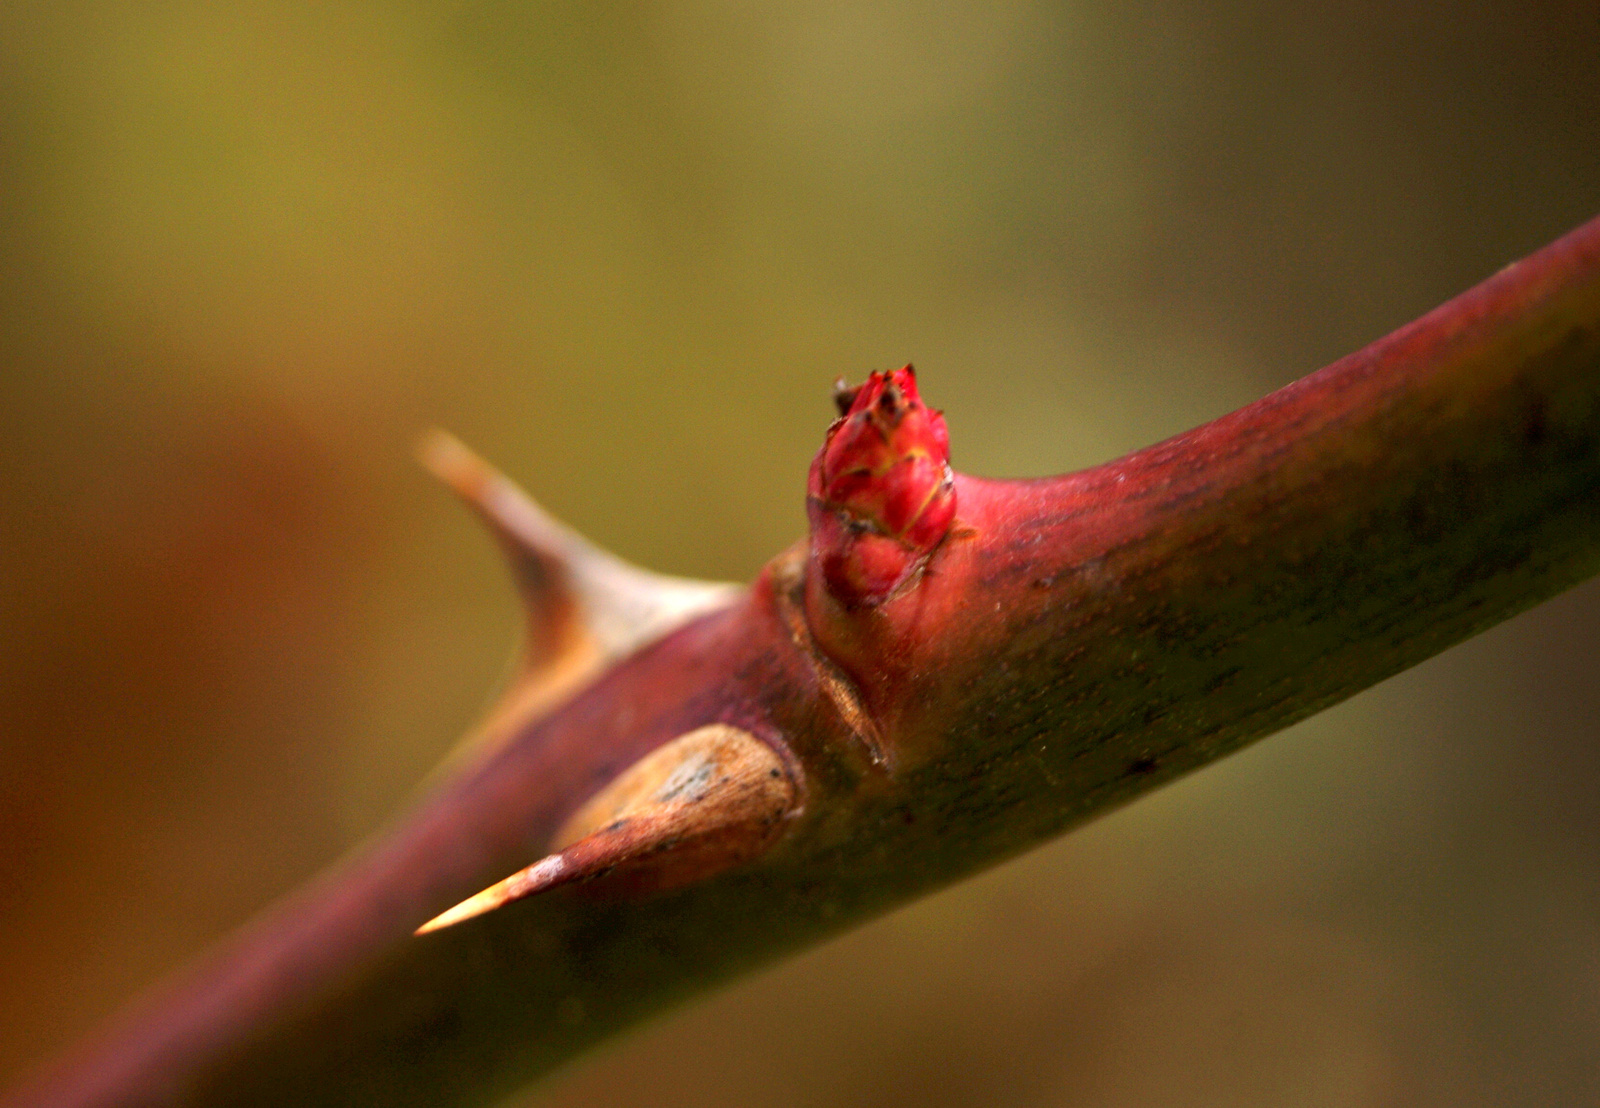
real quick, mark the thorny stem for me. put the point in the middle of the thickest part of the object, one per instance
(1068, 645)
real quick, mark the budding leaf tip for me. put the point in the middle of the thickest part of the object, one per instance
(882, 495)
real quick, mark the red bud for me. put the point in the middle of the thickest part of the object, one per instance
(880, 495)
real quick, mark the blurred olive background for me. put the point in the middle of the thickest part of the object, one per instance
(249, 251)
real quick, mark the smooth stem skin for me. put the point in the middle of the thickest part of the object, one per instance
(1073, 643)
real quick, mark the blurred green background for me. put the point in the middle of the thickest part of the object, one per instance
(249, 251)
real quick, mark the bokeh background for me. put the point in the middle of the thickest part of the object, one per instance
(249, 251)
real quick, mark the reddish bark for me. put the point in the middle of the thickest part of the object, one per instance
(1070, 643)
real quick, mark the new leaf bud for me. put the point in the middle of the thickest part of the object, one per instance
(881, 496)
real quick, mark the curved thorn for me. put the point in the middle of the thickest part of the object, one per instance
(570, 585)
(531, 541)
(584, 608)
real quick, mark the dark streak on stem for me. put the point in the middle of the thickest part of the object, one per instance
(788, 581)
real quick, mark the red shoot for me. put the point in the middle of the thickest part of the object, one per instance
(880, 495)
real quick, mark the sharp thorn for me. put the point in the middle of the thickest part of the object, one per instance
(543, 874)
(713, 798)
